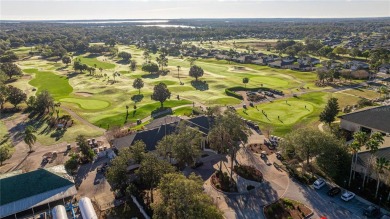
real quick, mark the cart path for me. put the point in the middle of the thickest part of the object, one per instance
(81, 119)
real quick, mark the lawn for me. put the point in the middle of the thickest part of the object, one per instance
(279, 112)
(88, 104)
(57, 85)
(92, 61)
(183, 111)
(290, 115)
(140, 113)
(361, 92)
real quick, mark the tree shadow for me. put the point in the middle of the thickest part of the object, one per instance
(61, 68)
(123, 62)
(151, 76)
(58, 134)
(92, 55)
(200, 85)
(73, 74)
(137, 98)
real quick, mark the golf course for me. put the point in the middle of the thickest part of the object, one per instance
(107, 97)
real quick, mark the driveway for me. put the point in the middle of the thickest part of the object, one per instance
(277, 185)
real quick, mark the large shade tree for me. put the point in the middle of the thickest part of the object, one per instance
(196, 72)
(138, 84)
(15, 96)
(183, 197)
(227, 133)
(151, 170)
(10, 69)
(161, 93)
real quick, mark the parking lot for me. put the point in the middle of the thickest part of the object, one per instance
(337, 207)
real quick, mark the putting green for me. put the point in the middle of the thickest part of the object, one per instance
(88, 104)
(92, 61)
(57, 85)
(279, 112)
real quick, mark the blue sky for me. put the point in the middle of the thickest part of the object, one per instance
(168, 9)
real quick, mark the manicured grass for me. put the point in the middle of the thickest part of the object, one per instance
(88, 104)
(92, 61)
(183, 111)
(290, 116)
(361, 92)
(57, 85)
(279, 112)
(140, 113)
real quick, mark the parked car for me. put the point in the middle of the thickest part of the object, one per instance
(319, 183)
(347, 195)
(334, 191)
(371, 211)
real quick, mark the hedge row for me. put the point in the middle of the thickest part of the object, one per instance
(230, 91)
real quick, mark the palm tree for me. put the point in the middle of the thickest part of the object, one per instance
(355, 148)
(29, 137)
(373, 143)
(380, 164)
(359, 140)
(178, 72)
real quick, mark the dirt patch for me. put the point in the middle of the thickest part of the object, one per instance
(84, 94)
(238, 69)
(27, 77)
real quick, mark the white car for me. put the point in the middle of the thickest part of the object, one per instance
(347, 195)
(319, 183)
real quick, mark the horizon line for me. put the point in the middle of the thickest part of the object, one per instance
(211, 18)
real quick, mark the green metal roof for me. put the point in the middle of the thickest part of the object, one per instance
(29, 184)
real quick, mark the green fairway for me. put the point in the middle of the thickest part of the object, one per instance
(279, 112)
(290, 115)
(183, 111)
(88, 104)
(57, 85)
(92, 61)
(140, 113)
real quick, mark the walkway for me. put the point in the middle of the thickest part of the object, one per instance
(81, 119)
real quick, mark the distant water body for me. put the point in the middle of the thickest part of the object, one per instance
(110, 21)
(165, 25)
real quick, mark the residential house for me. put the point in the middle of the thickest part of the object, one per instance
(159, 128)
(356, 65)
(308, 61)
(385, 68)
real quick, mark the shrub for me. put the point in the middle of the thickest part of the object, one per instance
(72, 164)
(249, 172)
(233, 94)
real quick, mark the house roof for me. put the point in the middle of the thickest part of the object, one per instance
(23, 191)
(376, 118)
(152, 136)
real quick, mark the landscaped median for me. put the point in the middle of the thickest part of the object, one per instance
(287, 209)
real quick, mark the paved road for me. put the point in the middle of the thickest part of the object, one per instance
(277, 184)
